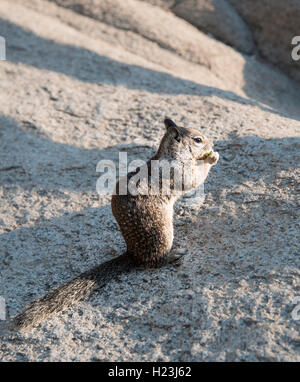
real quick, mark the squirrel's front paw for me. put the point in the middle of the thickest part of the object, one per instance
(213, 158)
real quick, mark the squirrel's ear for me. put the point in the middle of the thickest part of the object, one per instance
(169, 123)
(172, 128)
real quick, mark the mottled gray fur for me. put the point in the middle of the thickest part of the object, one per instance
(146, 223)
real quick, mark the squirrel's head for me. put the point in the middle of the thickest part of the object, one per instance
(183, 143)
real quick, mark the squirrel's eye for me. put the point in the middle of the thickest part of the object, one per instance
(198, 140)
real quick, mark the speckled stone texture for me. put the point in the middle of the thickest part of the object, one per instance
(76, 89)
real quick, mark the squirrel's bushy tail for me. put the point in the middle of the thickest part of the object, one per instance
(67, 294)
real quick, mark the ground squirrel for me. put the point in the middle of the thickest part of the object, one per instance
(145, 220)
